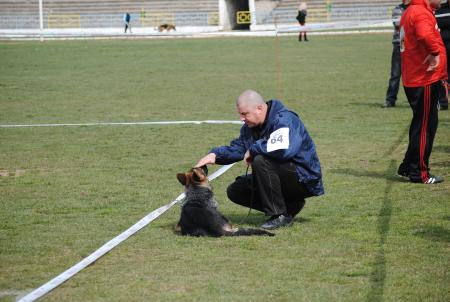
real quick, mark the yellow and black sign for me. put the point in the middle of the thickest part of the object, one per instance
(243, 17)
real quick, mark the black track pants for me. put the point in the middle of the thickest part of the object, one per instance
(423, 102)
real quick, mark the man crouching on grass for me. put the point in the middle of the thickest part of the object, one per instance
(285, 165)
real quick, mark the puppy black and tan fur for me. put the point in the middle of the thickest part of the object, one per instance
(199, 214)
(166, 27)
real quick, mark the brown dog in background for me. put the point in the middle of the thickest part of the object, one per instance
(166, 27)
(199, 214)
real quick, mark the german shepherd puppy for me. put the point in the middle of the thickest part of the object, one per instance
(166, 27)
(199, 214)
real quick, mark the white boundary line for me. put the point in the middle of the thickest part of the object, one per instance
(258, 30)
(334, 26)
(55, 282)
(124, 123)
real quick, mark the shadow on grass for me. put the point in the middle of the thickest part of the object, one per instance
(390, 174)
(445, 163)
(378, 105)
(368, 104)
(443, 149)
(371, 174)
(397, 142)
(433, 233)
(257, 219)
(254, 220)
(378, 275)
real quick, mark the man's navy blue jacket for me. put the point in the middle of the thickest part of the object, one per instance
(282, 137)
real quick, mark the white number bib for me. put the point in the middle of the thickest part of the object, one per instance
(279, 139)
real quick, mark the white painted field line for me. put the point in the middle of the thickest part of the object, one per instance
(55, 282)
(124, 123)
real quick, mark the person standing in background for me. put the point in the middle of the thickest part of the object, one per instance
(301, 18)
(444, 25)
(126, 21)
(394, 81)
(424, 66)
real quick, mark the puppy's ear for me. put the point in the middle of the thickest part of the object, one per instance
(182, 178)
(199, 174)
(205, 169)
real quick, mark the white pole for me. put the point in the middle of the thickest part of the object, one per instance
(252, 9)
(224, 24)
(41, 20)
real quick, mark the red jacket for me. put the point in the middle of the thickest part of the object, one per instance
(420, 37)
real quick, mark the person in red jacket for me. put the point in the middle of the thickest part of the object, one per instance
(424, 67)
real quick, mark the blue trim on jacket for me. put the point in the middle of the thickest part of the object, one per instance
(301, 150)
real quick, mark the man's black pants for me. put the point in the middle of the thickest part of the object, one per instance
(443, 100)
(394, 80)
(276, 188)
(423, 102)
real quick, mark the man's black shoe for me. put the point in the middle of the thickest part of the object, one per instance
(276, 222)
(388, 105)
(443, 107)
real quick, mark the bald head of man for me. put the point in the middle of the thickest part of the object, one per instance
(251, 108)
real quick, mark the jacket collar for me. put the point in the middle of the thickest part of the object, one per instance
(274, 107)
(424, 3)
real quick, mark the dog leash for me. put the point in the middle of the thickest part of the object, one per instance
(252, 195)
(61, 278)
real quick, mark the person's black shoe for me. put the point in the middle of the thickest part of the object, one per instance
(388, 105)
(442, 106)
(276, 222)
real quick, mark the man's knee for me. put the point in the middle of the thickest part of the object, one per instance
(236, 196)
(231, 192)
(235, 191)
(259, 161)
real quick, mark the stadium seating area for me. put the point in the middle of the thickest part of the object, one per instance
(108, 13)
(332, 10)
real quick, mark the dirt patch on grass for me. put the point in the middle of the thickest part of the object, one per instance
(18, 293)
(17, 173)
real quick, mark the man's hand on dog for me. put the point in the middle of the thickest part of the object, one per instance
(207, 160)
(211, 159)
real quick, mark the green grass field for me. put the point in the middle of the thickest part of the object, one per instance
(65, 191)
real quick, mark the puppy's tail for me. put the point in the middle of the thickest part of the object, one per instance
(251, 232)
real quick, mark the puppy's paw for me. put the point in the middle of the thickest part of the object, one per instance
(177, 229)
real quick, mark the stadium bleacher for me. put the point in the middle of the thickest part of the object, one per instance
(107, 13)
(332, 10)
(18, 14)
